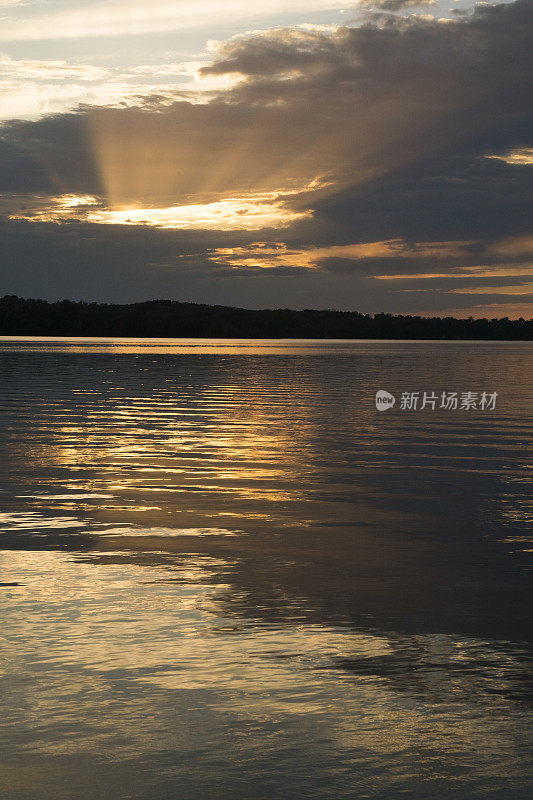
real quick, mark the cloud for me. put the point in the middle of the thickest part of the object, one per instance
(116, 263)
(22, 99)
(454, 264)
(519, 289)
(252, 212)
(512, 310)
(377, 98)
(266, 255)
(392, 149)
(347, 106)
(396, 5)
(522, 156)
(32, 88)
(138, 17)
(29, 68)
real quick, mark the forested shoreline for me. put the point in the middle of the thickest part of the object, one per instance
(169, 318)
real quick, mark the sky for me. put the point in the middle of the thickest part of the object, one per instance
(373, 156)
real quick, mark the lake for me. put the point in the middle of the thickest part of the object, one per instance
(225, 574)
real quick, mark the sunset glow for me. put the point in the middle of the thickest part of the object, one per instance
(246, 213)
(266, 347)
(264, 144)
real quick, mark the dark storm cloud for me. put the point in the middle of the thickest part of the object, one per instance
(460, 195)
(352, 105)
(397, 117)
(398, 93)
(491, 44)
(102, 262)
(51, 155)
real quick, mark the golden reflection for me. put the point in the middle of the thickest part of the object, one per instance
(213, 440)
(127, 617)
(229, 449)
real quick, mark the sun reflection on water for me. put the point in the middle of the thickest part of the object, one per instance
(222, 563)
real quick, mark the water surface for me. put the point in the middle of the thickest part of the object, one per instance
(225, 574)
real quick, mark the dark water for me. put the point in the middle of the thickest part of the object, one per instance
(226, 575)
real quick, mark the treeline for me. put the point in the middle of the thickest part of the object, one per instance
(167, 318)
